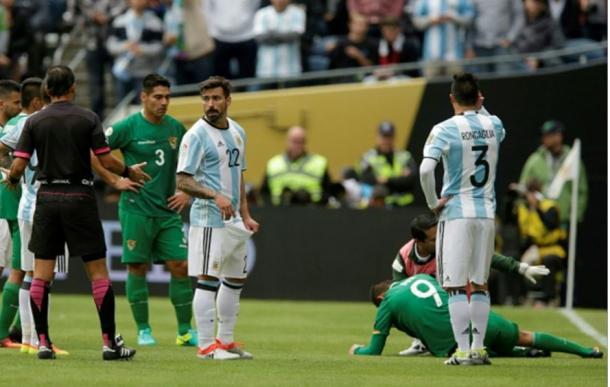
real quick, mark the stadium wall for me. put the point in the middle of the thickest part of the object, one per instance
(309, 253)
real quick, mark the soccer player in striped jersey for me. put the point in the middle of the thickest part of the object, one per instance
(419, 307)
(210, 167)
(33, 98)
(468, 144)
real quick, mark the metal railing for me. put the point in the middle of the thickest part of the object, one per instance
(578, 55)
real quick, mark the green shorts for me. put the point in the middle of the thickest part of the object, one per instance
(16, 238)
(152, 239)
(502, 335)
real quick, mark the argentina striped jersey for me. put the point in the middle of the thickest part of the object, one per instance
(469, 145)
(215, 158)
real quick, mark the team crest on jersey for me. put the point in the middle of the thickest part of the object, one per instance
(173, 142)
(238, 140)
(131, 244)
(109, 132)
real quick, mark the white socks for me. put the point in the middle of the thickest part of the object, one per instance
(204, 308)
(479, 315)
(460, 320)
(28, 328)
(228, 308)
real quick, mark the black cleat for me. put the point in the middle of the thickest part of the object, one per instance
(595, 354)
(535, 352)
(45, 353)
(15, 335)
(118, 351)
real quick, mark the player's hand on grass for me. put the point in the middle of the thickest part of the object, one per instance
(224, 205)
(178, 201)
(137, 174)
(251, 224)
(530, 272)
(124, 184)
(352, 350)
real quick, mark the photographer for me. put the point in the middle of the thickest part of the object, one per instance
(540, 226)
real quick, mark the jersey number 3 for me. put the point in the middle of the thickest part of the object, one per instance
(160, 157)
(480, 162)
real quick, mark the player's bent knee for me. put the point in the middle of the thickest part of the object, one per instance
(178, 269)
(526, 339)
(138, 269)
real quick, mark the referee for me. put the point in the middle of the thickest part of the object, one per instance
(62, 136)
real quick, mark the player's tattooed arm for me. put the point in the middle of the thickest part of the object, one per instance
(5, 156)
(186, 183)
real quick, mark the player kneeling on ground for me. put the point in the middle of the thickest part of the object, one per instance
(418, 306)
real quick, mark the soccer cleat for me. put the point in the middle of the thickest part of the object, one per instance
(536, 352)
(145, 337)
(416, 348)
(459, 358)
(58, 351)
(119, 351)
(189, 339)
(33, 350)
(595, 354)
(45, 353)
(8, 343)
(479, 357)
(25, 348)
(236, 349)
(214, 352)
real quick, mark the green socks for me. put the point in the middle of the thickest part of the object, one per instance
(559, 344)
(137, 295)
(181, 295)
(10, 305)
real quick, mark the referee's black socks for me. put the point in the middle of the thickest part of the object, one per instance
(39, 297)
(104, 301)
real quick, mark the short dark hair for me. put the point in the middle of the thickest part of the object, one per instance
(465, 89)
(8, 86)
(59, 80)
(46, 98)
(214, 82)
(378, 289)
(422, 223)
(153, 80)
(30, 89)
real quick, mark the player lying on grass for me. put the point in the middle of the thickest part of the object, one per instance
(418, 306)
(418, 256)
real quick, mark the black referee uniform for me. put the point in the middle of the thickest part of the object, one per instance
(66, 209)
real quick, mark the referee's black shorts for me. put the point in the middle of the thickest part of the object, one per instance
(67, 214)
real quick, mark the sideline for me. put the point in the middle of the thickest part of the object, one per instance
(584, 326)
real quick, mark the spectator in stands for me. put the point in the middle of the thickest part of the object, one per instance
(570, 15)
(539, 33)
(596, 12)
(496, 25)
(296, 176)
(375, 11)
(192, 47)
(136, 42)
(444, 24)
(540, 226)
(394, 48)
(544, 164)
(98, 17)
(232, 27)
(393, 169)
(278, 29)
(4, 41)
(356, 49)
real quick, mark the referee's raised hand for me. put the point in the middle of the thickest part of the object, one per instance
(136, 174)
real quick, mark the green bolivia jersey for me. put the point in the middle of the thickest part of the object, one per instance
(140, 140)
(9, 200)
(419, 307)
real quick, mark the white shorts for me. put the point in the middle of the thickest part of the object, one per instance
(27, 257)
(218, 252)
(464, 248)
(6, 244)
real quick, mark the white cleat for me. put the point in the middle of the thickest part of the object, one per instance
(213, 352)
(416, 348)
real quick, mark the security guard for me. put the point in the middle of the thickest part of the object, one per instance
(386, 166)
(296, 176)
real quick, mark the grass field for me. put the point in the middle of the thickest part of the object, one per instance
(294, 344)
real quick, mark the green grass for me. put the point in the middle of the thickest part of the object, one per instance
(294, 343)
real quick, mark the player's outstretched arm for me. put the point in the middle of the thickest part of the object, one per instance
(374, 348)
